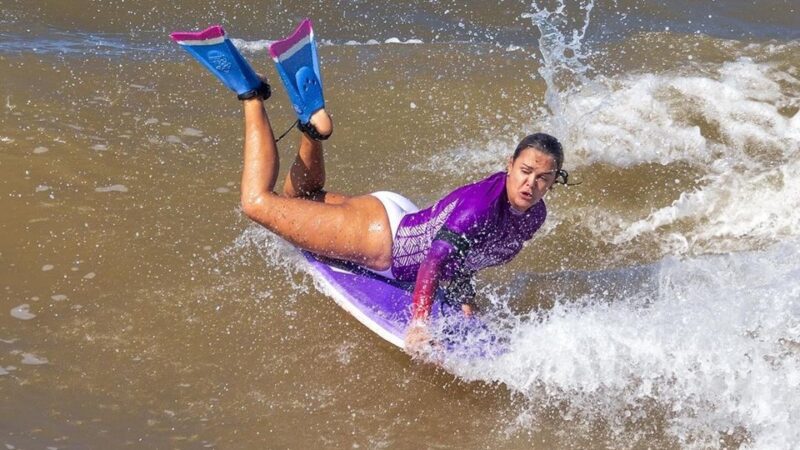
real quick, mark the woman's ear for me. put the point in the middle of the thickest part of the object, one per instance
(510, 164)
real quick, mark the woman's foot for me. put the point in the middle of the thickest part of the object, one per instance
(322, 121)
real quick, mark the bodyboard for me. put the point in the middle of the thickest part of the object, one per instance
(384, 306)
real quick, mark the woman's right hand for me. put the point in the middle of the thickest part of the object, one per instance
(418, 338)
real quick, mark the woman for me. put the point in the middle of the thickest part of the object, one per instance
(476, 226)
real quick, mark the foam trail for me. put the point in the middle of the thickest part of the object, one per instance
(750, 192)
(713, 349)
(734, 213)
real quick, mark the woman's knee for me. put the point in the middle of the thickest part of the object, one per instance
(256, 207)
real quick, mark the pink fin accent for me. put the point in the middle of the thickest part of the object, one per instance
(279, 47)
(212, 32)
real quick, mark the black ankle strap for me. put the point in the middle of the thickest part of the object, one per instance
(311, 131)
(263, 90)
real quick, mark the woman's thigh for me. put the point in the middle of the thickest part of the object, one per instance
(351, 228)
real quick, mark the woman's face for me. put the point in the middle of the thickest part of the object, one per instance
(529, 178)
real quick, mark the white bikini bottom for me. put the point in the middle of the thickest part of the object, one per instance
(396, 207)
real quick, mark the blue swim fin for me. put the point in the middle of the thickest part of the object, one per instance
(297, 63)
(216, 52)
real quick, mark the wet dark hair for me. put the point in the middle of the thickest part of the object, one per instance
(544, 143)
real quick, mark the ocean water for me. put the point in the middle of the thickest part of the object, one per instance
(659, 306)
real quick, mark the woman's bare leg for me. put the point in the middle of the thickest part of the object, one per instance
(357, 229)
(306, 177)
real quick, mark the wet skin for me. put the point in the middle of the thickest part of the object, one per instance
(529, 178)
(335, 225)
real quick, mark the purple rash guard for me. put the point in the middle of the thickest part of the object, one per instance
(471, 228)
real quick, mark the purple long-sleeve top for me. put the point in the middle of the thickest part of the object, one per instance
(471, 228)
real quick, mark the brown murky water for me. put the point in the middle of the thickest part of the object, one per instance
(140, 309)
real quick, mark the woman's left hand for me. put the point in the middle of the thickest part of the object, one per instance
(468, 309)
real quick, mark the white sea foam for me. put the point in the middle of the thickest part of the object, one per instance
(112, 188)
(712, 343)
(22, 312)
(654, 118)
(31, 359)
(747, 147)
(734, 212)
(468, 158)
(251, 46)
(273, 250)
(648, 118)
(750, 193)
(395, 40)
(261, 45)
(193, 132)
